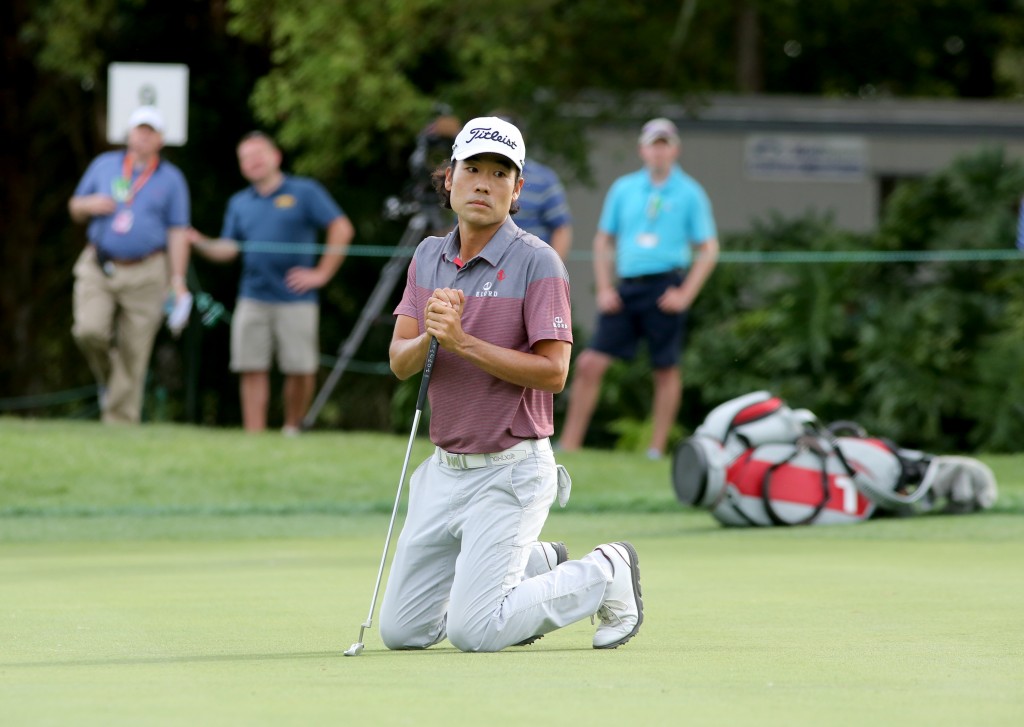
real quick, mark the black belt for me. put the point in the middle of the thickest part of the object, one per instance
(653, 277)
(104, 258)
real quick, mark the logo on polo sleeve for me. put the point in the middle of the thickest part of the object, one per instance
(559, 322)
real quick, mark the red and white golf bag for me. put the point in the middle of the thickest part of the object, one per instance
(757, 462)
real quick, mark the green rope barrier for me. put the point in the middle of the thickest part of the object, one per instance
(312, 248)
(37, 401)
(726, 256)
(212, 312)
(870, 256)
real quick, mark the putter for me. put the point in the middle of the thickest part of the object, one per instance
(428, 367)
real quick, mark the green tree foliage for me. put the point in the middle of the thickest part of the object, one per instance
(870, 48)
(347, 85)
(940, 333)
(53, 85)
(353, 80)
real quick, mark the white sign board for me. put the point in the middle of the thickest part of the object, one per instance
(164, 85)
(815, 158)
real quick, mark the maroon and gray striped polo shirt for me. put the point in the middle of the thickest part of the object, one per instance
(517, 293)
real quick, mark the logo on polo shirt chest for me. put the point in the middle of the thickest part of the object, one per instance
(486, 292)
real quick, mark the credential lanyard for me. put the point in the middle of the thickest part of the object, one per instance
(129, 191)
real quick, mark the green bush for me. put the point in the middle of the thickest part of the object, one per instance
(783, 327)
(929, 353)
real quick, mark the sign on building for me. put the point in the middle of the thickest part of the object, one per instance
(794, 157)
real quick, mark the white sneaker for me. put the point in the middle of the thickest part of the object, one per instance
(622, 610)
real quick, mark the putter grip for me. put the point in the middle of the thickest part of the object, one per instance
(428, 368)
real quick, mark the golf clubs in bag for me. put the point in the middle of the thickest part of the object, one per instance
(756, 462)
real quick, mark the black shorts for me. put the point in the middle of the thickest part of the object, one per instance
(618, 334)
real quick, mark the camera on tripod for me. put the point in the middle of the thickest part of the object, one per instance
(433, 148)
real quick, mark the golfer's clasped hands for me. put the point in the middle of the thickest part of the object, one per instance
(443, 318)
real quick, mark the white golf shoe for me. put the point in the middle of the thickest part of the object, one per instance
(622, 610)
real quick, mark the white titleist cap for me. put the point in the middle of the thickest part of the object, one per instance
(146, 116)
(490, 135)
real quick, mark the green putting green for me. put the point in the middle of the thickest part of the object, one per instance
(742, 627)
(175, 597)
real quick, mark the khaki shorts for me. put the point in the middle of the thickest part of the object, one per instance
(259, 329)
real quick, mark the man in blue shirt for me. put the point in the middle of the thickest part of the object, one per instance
(658, 232)
(278, 306)
(543, 209)
(137, 207)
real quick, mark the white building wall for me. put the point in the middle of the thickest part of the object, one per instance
(900, 139)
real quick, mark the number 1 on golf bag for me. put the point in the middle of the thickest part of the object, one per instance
(421, 401)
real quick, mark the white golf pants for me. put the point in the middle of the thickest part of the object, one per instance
(461, 557)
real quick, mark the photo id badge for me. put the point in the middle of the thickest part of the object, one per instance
(122, 222)
(647, 240)
(120, 189)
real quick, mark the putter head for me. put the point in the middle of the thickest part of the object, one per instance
(355, 650)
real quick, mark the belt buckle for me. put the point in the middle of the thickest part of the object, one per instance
(455, 461)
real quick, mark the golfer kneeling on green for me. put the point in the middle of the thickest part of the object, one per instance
(468, 565)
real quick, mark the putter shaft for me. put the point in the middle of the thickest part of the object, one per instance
(428, 367)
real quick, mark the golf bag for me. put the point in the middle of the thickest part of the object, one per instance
(757, 462)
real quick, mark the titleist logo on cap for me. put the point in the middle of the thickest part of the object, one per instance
(490, 134)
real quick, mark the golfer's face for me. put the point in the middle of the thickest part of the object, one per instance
(483, 188)
(258, 159)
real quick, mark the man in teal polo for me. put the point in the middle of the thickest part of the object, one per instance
(657, 235)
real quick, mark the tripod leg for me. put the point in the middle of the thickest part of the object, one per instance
(390, 274)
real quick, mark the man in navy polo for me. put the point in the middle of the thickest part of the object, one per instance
(137, 207)
(279, 217)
